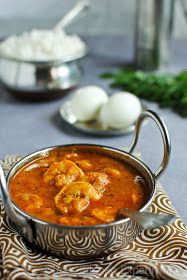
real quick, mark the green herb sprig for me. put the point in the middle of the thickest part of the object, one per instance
(165, 89)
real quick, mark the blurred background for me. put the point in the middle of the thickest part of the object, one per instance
(104, 17)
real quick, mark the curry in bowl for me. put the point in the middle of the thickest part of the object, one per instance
(64, 199)
(77, 187)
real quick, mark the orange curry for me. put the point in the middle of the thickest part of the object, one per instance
(77, 187)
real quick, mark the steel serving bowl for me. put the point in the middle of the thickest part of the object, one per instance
(83, 242)
(41, 80)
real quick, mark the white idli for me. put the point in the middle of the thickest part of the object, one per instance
(121, 111)
(87, 101)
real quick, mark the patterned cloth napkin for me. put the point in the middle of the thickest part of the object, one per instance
(159, 253)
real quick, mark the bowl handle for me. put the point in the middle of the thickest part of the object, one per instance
(165, 137)
(22, 224)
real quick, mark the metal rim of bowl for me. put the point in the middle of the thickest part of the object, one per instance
(51, 62)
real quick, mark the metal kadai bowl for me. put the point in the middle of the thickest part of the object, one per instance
(41, 80)
(83, 242)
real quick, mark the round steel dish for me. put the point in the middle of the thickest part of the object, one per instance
(40, 80)
(83, 242)
(91, 127)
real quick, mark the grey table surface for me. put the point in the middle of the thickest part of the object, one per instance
(26, 126)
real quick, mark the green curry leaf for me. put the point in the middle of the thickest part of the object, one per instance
(167, 90)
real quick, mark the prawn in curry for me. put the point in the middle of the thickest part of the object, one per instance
(75, 187)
